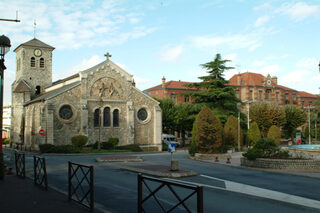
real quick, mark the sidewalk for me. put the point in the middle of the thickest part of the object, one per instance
(21, 195)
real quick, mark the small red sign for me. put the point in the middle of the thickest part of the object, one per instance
(41, 132)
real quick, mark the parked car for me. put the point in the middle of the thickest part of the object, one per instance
(166, 138)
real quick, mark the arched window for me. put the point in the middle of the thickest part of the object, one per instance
(41, 63)
(116, 118)
(106, 116)
(38, 90)
(33, 62)
(96, 119)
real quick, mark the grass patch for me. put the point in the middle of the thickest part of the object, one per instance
(105, 151)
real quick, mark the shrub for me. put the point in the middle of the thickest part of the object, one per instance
(208, 131)
(253, 134)
(164, 147)
(64, 149)
(192, 148)
(79, 141)
(231, 133)
(45, 148)
(6, 141)
(106, 145)
(252, 154)
(274, 134)
(113, 141)
(131, 147)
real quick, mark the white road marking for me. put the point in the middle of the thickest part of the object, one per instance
(266, 193)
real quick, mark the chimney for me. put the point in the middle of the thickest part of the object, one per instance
(274, 80)
(239, 79)
(163, 82)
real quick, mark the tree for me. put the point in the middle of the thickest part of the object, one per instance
(253, 134)
(295, 117)
(169, 114)
(275, 134)
(230, 136)
(267, 114)
(208, 131)
(213, 91)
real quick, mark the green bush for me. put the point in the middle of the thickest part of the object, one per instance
(164, 147)
(274, 134)
(5, 141)
(252, 154)
(106, 145)
(230, 139)
(253, 134)
(79, 141)
(131, 147)
(45, 148)
(208, 131)
(64, 149)
(192, 148)
(113, 141)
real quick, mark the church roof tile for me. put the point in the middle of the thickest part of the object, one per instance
(22, 87)
(35, 43)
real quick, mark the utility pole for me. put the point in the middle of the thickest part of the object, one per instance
(309, 107)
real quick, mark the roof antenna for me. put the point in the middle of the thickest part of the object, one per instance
(34, 28)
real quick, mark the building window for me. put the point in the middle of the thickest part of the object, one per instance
(106, 117)
(38, 90)
(33, 62)
(41, 63)
(142, 114)
(173, 97)
(294, 98)
(186, 99)
(116, 118)
(237, 93)
(96, 119)
(287, 98)
(251, 95)
(277, 96)
(65, 112)
(260, 95)
(310, 103)
(302, 104)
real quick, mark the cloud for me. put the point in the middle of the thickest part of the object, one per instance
(308, 63)
(231, 56)
(237, 41)
(261, 21)
(85, 64)
(83, 24)
(172, 54)
(262, 7)
(299, 11)
(270, 69)
(258, 63)
(297, 76)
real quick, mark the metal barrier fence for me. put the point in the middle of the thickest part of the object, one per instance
(20, 161)
(194, 190)
(80, 185)
(40, 172)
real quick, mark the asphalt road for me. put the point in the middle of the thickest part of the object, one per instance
(116, 189)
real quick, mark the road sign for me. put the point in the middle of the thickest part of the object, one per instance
(41, 132)
(172, 147)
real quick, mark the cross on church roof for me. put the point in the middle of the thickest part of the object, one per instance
(107, 55)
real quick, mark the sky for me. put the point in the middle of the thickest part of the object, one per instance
(151, 39)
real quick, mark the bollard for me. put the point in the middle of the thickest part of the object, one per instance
(228, 160)
(174, 165)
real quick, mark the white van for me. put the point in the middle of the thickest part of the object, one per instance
(166, 138)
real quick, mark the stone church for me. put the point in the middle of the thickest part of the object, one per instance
(100, 102)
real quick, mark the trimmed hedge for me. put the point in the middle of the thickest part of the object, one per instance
(131, 147)
(79, 141)
(64, 149)
(44, 148)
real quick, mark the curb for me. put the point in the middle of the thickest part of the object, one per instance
(160, 174)
(119, 159)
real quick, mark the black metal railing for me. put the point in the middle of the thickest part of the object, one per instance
(40, 172)
(20, 161)
(80, 178)
(169, 184)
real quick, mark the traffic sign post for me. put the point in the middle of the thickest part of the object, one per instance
(41, 132)
(174, 163)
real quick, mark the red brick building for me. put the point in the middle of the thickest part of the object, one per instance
(256, 87)
(248, 86)
(171, 89)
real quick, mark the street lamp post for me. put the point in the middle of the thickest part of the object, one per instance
(248, 102)
(309, 107)
(4, 48)
(239, 109)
